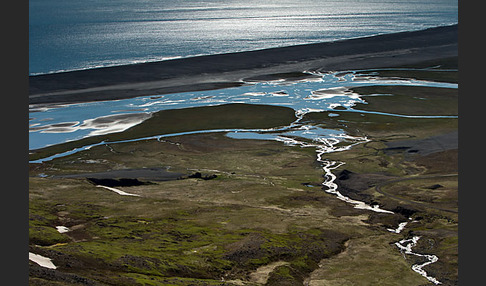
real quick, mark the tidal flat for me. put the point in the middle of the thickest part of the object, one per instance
(255, 212)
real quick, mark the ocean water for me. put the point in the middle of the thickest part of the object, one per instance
(72, 35)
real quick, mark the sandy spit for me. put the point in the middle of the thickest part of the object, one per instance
(225, 70)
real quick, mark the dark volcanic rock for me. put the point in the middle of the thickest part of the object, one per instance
(123, 182)
(344, 175)
(198, 175)
(145, 174)
(353, 184)
(434, 187)
(407, 212)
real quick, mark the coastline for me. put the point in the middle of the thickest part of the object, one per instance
(226, 70)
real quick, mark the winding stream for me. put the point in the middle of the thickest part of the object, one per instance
(406, 246)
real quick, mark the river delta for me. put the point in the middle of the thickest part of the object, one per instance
(304, 178)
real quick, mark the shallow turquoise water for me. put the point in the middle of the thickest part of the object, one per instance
(70, 122)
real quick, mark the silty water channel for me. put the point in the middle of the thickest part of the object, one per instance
(51, 125)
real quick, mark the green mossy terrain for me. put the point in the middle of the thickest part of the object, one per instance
(382, 127)
(263, 218)
(409, 100)
(228, 116)
(443, 70)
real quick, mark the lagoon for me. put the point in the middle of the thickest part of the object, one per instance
(54, 124)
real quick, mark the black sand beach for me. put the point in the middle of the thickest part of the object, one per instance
(224, 70)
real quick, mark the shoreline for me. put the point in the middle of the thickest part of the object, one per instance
(227, 70)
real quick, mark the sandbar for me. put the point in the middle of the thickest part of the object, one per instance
(231, 69)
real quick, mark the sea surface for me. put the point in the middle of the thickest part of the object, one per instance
(82, 34)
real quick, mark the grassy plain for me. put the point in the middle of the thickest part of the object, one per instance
(264, 219)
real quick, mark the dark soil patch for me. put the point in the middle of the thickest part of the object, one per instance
(42, 273)
(353, 184)
(123, 182)
(247, 248)
(440, 162)
(198, 175)
(423, 147)
(128, 177)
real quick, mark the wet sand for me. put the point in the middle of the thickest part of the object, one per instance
(225, 70)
